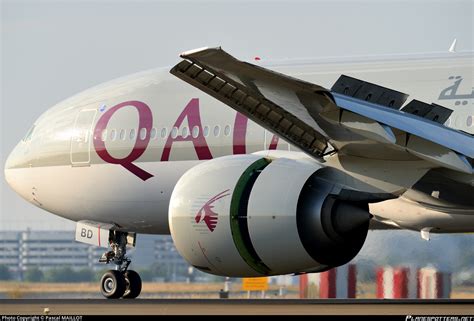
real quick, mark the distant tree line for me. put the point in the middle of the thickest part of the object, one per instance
(5, 273)
(60, 274)
(162, 272)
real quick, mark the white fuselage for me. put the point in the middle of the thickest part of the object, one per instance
(114, 153)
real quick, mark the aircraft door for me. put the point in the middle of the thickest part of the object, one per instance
(82, 137)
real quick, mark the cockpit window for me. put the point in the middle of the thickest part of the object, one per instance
(29, 134)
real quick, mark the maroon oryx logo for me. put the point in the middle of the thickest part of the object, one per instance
(206, 213)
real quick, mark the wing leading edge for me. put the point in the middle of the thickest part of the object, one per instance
(311, 117)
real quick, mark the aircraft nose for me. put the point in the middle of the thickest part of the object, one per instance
(7, 168)
(12, 174)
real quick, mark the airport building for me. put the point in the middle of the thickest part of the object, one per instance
(52, 249)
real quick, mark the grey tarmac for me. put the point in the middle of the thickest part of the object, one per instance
(235, 307)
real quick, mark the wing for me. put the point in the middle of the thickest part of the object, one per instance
(351, 118)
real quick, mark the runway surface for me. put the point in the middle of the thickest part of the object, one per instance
(236, 306)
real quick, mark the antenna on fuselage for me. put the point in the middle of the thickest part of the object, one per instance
(453, 46)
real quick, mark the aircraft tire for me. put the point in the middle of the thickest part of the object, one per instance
(133, 285)
(112, 284)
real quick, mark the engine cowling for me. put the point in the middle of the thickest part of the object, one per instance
(250, 216)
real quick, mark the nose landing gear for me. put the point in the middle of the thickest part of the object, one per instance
(121, 282)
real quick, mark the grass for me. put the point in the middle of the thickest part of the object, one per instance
(148, 287)
(30, 287)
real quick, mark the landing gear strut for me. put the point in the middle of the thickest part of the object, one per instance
(121, 282)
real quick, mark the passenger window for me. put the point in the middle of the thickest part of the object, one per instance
(195, 131)
(142, 133)
(103, 136)
(113, 134)
(153, 133)
(132, 134)
(217, 130)
(122, 134)
(164, 133)
(227, 130)
(185, 132)
(174, 132)
(206, 131)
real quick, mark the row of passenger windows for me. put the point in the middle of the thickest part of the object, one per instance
(123, 134)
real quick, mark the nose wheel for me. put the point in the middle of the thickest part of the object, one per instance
(121, 282)
(112, 284)
(116, 284)
(133, 284)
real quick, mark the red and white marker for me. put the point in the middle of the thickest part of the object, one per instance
(433, 284)
(340, 282)
(396, 282)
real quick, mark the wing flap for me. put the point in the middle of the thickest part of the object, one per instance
(361, 125)
(311, 117)
(411, 124)
(437, 154)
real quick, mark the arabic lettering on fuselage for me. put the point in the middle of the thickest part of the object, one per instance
(451, 92)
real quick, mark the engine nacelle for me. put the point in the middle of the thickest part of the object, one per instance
(250, 216)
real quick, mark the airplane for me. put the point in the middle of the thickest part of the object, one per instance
(254, 168)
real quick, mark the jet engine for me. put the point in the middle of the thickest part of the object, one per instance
(247, 215)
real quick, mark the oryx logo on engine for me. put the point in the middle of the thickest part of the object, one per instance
(206, 213)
